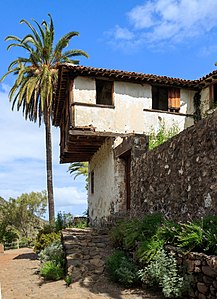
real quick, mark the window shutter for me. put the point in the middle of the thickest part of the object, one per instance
(174, 99)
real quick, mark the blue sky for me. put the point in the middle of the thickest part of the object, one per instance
(176, 38)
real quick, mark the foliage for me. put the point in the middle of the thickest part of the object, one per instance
(162, 135)
(68, 280)
(51, 271)
(8, 234)
(53, 252)
(21, 215)
(122, 269)
(63, 220)
(36, 79)
(163, 270)
(52, 261)
(80, 224)
(127, 234)
(79, 168)
(146, 239)
(148, 248)
(43, 240)
(190, 236)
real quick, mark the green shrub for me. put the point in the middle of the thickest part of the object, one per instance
(122, 269)
(53, 252)
(190, 236)
(163, 271)
(209, 224)
(51, 271)
(127, 234)
(43, 240)
(147, 249)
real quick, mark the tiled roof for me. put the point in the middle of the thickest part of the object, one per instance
(125, 76)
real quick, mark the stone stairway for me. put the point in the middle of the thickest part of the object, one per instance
(86, 251)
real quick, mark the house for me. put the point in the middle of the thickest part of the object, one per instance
(104, 117)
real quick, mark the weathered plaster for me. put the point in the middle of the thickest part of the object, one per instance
(105, 199)
(128, 113)
(205, 101)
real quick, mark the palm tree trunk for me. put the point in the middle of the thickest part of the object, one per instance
(49, 170)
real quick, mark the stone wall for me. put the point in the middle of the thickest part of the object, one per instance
(179, 178)
(85, 252)
(204, 273)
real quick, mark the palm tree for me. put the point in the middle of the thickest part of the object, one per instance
(79, 168)
(36, 80)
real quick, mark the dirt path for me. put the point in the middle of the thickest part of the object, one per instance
(19, 280)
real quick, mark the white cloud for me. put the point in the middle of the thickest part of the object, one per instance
(122, 33)
(77, 197)
(158, 22)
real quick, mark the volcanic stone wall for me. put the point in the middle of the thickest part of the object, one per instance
(179, 178)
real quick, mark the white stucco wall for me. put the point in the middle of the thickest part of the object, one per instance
(127, 115)
(105, 199)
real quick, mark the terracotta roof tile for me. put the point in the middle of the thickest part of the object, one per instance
(126, 76)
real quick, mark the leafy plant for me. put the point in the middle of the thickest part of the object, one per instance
(68, 280)
(43, 240)
(162, 135)
(128, 234)
(53, 252)
(190, 236)
(163, 271)
(122, 269)
(147, 249)
(51, 271)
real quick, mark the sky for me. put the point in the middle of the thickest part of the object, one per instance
(176, 38)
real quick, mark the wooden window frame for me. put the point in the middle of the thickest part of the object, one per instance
(166, 98)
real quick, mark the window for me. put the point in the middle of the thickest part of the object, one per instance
(92, 182)
(166, 98)
(104, 92)
(213, 95)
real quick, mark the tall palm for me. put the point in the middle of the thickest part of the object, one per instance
(36, 79)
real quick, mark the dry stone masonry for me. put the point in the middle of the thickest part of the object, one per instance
(86, 251)
(179, 178)
(204, 273)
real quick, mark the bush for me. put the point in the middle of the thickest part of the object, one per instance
(53, 252)
(122, 269)
(163, 271)
(128, 234)
(63, 220)
(51, 271)
(43, 240)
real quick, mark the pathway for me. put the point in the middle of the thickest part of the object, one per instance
(19, 280)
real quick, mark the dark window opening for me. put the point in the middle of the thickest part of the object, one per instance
(214, 94)
(104, 92)
(127, 164)
(166, 99)
(92, 182)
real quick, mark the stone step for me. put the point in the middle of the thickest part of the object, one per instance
(86, 251)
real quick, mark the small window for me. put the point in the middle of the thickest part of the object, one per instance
(213, 95)
(92, 182)
(159, 98)
(166, 99)
(104, 92)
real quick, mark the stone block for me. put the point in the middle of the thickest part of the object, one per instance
(208, 271)
(202, 288)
